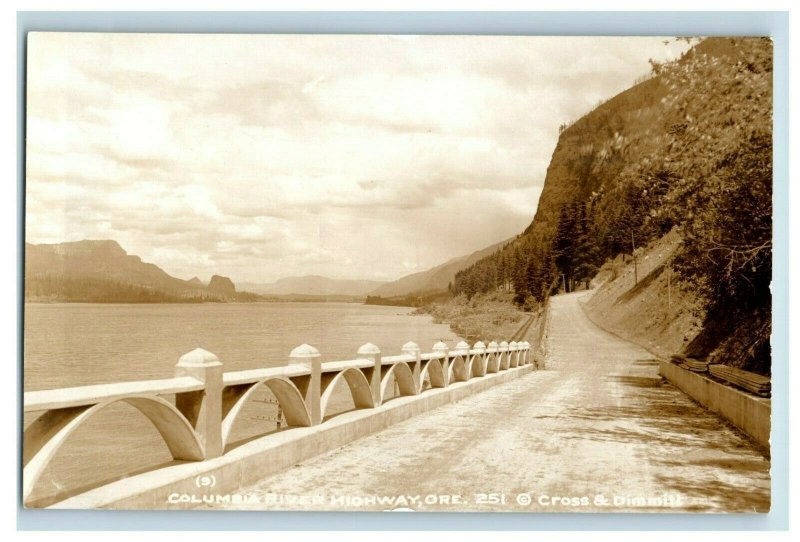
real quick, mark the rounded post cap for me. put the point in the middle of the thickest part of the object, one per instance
(440, 346)
(493, 344)
(462, 345)
(410, 346)
(479, 345)
(513, 344)
(198, 356)
(304, 351)
(526, 344)
(368, 349)
(504, 343)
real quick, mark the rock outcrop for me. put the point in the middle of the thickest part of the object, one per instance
(222, 286)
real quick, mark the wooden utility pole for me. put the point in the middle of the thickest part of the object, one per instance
(635, 263)
(564, 282)
(669, 286)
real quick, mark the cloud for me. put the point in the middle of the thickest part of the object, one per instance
(266, 156)
(370, 185)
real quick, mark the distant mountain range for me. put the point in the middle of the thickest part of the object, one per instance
(314, 285)
(101, 271)
(435, 279)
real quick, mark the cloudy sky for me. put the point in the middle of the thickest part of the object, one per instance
(259, 157)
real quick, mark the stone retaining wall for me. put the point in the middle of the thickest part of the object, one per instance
(749, 413)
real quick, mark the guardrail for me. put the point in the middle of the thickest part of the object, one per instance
(208, 401)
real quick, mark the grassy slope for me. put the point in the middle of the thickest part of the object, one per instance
(486, 317)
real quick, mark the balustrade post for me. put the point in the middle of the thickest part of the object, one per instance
(492, 349)
(513, 354)
(481, 348)
(412, 349)
(462, 349)
(309, 356)
(442, 349)
(371, 352)
(504, 355)
(203, 408)
(526, 348)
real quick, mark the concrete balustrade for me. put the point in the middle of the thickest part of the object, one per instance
(412, 349)
(504, 356)
(443, 352)
(478, 360)
(493, 361)
(198, 425)
(202, 408)
(373, 373)
(309, 357)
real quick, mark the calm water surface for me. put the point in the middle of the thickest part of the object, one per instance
(81, 344)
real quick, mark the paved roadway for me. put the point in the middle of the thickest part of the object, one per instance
(597, 431)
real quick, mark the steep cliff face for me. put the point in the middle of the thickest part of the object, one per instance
(688, 151)
(222, 286)
(588, 154)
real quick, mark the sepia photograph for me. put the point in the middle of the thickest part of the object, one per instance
(382, 272)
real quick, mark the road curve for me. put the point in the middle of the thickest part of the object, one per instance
(597, 431)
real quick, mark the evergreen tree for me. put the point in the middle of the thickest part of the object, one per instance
(587, 251)
(564, 243)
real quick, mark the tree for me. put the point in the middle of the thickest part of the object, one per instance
(587, 251)
(564, 243)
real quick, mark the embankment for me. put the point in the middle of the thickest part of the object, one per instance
(642, 301)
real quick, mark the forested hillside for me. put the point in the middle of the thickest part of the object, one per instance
(688, 150)
(434, 280)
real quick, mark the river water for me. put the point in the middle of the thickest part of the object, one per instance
(81, 344)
